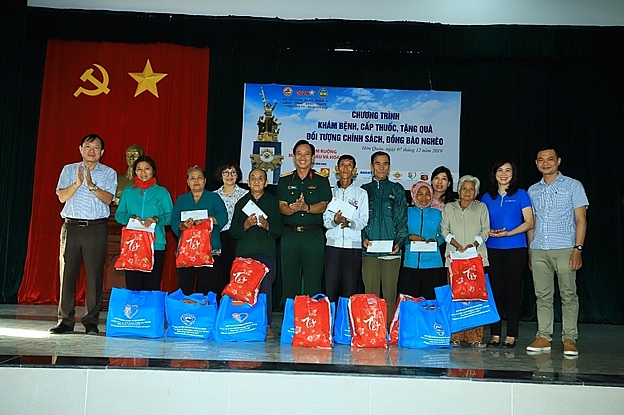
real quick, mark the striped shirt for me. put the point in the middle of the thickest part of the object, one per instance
(553, 206)
(84, 204)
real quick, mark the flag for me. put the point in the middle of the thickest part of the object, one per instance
(154, 95)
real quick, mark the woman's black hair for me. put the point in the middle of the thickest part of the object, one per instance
(449, 194)
(228, 164)
(146, 159)
(513, 183)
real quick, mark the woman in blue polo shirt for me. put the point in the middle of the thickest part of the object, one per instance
(511, 216)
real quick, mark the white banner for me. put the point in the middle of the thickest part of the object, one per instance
(418, 129)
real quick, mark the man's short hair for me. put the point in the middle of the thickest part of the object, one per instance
(91, 137)
(346, 157)
(547, 146)
(379, 153)
(302, 142)
(259, 169)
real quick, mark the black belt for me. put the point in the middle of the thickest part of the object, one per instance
(303, 228)
(83, 223)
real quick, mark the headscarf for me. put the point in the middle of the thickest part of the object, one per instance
(414, 190)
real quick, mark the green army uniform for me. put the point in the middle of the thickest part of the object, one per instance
(303, 244)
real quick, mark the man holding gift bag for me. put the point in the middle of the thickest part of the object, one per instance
(86, 188)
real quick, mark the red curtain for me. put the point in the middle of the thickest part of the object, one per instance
(171, 128)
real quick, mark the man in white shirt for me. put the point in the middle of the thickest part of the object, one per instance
(343, 254)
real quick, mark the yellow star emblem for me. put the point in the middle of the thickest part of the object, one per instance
(147, 79)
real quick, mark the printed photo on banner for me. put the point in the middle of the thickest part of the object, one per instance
(419, 129)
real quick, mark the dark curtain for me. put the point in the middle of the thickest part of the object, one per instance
(521, 85)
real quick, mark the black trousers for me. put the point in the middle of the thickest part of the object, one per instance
(199, 279)
(422, 282)
(86, 244)
(147, 281)
(224, 265)
(505, 272)
(342, 271)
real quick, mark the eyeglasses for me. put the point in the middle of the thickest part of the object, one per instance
(229, 173)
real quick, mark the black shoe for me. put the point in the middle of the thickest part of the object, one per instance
(61, 328)
(492, 343)
(91, 329)
(510, 345)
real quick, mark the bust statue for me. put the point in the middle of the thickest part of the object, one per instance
(126, 179)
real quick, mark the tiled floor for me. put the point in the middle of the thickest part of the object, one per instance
(24, 340)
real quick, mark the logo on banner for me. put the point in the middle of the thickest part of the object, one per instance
(288, 91)
(323, 93)
(100, 86)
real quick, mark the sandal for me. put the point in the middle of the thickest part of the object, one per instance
(455, 343)
(494, 343)
(478, 345)
(510, 344)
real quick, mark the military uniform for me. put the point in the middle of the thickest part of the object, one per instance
(303, 244)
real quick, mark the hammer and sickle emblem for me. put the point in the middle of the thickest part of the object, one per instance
(100, 86)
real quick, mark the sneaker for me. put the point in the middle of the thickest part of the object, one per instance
(569, 348)
(270, 334)
(540, 344)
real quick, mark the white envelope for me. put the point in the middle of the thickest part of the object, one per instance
(467, 254)
(250, 208)
(380, 247)
(422, 246)
(347, 209)
(135, 224)
(195, 214)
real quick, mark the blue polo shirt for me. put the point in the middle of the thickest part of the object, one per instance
(506, 212)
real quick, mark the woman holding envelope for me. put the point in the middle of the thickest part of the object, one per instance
(190, 209)
(256, 225)
(149, 204)
(422, 267)
(466, 226)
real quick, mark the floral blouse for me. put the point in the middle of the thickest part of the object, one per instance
(230, 202)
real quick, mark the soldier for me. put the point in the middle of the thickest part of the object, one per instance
(303, 195)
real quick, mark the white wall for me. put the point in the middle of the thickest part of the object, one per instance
(455, 12)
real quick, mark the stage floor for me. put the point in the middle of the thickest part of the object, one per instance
(24, 341)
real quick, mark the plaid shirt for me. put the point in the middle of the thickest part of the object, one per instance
(553, 206)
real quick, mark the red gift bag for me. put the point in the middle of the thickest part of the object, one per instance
(245, 278)
(368, 315)
(137, 250)
(313, 325)
(467, 279)
(194, 248)
(394, 325)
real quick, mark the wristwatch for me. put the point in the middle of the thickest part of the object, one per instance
(95, 188)
(579, 247)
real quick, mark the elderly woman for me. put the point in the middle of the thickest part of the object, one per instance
(149, 203)
(199, 279)
(511, 216)
(466, 224)
(256, 235)
(229, 174)
(423, 270)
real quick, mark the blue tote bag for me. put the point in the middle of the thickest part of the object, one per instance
(468, 314)
(136, 313)
(241, 322)
(288, 324)
(342, 327)
(423, 325)
(190, 316)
